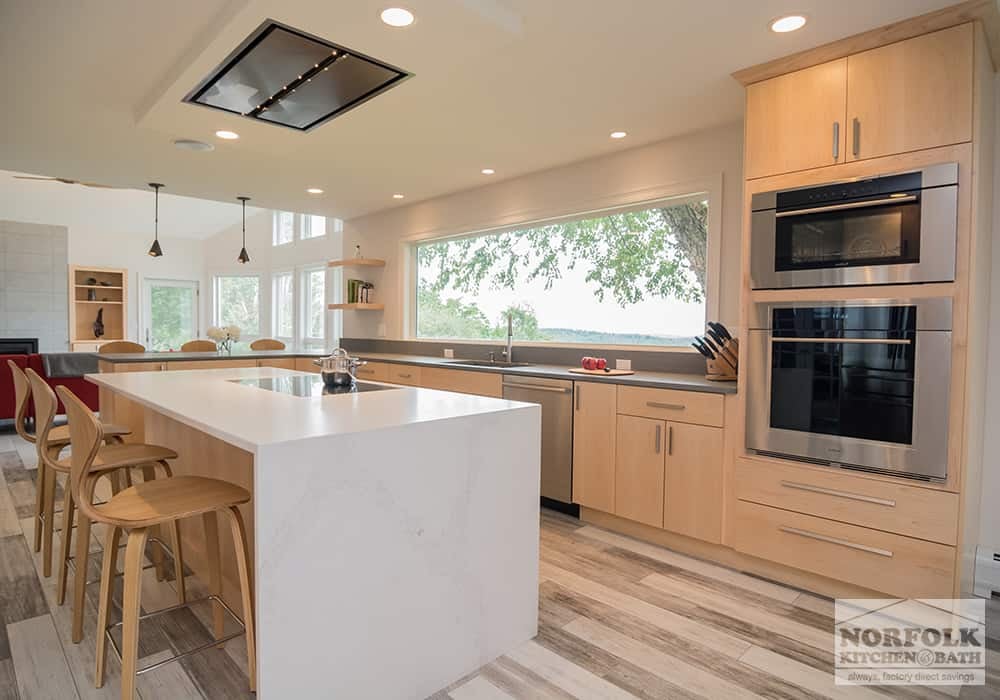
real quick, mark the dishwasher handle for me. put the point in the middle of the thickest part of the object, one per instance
(538, 387)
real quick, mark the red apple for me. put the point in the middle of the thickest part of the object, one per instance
(602, 362)
(589, 362)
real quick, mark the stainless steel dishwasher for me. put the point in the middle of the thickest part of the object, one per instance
(556, 399)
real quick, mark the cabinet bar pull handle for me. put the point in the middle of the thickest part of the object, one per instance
(658, 431)
(405, 376)
(668, 406)
(836, 540)
(577, 397)
(836, 140)
(670, 439)
(857, 137)
(537, 387)
(839, 494)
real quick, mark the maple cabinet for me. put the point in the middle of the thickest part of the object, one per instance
(693, 499)
(906, 96)
(639, 469)
(594, 433)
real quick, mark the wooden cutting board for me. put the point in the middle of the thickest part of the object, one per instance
(601, 372)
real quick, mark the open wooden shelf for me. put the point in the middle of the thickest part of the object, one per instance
(358, 307)
(83, 311)
(96, 286)
(357, 262)
(88, 301)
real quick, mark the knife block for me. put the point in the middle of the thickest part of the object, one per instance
(718, 370)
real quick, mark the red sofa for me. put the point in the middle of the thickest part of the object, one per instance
(78, 385)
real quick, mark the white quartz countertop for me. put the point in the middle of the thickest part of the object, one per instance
(249, 417)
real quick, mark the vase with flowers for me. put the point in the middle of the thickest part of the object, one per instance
(224, 337)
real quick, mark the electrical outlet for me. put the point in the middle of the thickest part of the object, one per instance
(449, 353)
(623, 364)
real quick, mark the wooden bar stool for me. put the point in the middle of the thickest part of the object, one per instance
(57, 439)
(109, 461)
(138, 508)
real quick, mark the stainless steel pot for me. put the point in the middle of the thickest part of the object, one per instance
(338, 369)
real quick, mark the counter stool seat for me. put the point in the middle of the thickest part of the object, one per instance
(155, 502)
(59, 435)
(126, 454)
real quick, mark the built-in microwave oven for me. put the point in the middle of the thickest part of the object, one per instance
(892, 229)
(860, 384)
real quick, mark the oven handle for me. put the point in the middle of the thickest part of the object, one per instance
(849, 205)
(859, 341)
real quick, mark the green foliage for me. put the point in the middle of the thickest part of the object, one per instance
(658, 252)
(437, 318)
(239, 303)
(171, 323)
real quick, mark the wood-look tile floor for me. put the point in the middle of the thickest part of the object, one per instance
(618, 618)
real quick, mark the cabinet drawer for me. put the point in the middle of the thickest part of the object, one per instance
(404, 374)
(461, 381)
(669, 404)
(893, 564)
(374, 371)
(305, 364)
(906, 510)
(279, 362)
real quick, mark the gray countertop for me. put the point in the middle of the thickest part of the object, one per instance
(658, 380)
(168, 356)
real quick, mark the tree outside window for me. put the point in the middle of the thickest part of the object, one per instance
(632, 277)
(238, 303)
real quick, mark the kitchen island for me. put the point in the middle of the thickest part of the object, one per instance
(394, 531)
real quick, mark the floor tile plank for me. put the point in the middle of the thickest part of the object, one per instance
(39, 662)
(567, 675)
(478, 689)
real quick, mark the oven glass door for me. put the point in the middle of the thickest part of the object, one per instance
(880, 232)
(831, 375)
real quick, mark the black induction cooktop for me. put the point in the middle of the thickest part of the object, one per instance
(302, 385)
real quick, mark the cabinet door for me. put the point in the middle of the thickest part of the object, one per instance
(461, 381)
(404, 374)
(693, 490)
(796, 121)
(594, 445)
(375, 371)
(911, 95)
(279, 362)
(639, 454)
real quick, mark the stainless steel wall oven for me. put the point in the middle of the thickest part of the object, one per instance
(892, 229)
(861, 383)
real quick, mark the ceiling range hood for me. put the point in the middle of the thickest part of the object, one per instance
(284, 76)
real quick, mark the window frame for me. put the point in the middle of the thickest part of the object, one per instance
(275, 274)
(710, 188)
(275, 227)
(307, 224)
(217, 308)
(304, 340)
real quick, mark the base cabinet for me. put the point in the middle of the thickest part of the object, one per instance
(594, 438)
(693, 498)
(639, 467)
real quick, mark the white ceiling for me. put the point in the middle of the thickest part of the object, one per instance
(93, 89)
(113, 211)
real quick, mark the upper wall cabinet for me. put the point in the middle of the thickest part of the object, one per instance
(907, 96)
(796, 121)
(911, 95)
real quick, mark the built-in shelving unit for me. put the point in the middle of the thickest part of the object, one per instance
(92, 289)
(358, 263)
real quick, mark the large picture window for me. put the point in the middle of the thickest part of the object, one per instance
(628, 277)
(283, 305)
(237, 303)
(314, 306)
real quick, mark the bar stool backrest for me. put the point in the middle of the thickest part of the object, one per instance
(45, 414)
(199, 346)
(22, 397)
(85, 439)
(267, 344)
(120, 346)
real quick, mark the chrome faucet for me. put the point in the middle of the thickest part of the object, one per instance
(508, 354)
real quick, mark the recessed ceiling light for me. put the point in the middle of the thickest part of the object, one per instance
(788, 23)
(227, 135)
(487, 171)
(397, 17)
(618, 134)
(398, 196)
(191, 145)
(314, 190)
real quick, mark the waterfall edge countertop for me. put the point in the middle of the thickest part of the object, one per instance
(249, 416)
(656, 380)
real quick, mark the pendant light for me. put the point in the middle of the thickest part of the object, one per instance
(244, 257)
(154, 250)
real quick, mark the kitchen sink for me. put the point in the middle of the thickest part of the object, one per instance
(488, 363)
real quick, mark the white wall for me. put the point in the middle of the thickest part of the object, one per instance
(989, 524)
(220, 253)
(710, 157)
(34, 300)
(182, 260)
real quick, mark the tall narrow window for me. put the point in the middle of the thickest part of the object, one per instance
(283, 229)
(237, 303)
(313, 288)
(313, 226)
(283, 304)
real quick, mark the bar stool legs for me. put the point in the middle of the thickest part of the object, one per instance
(246, 592)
